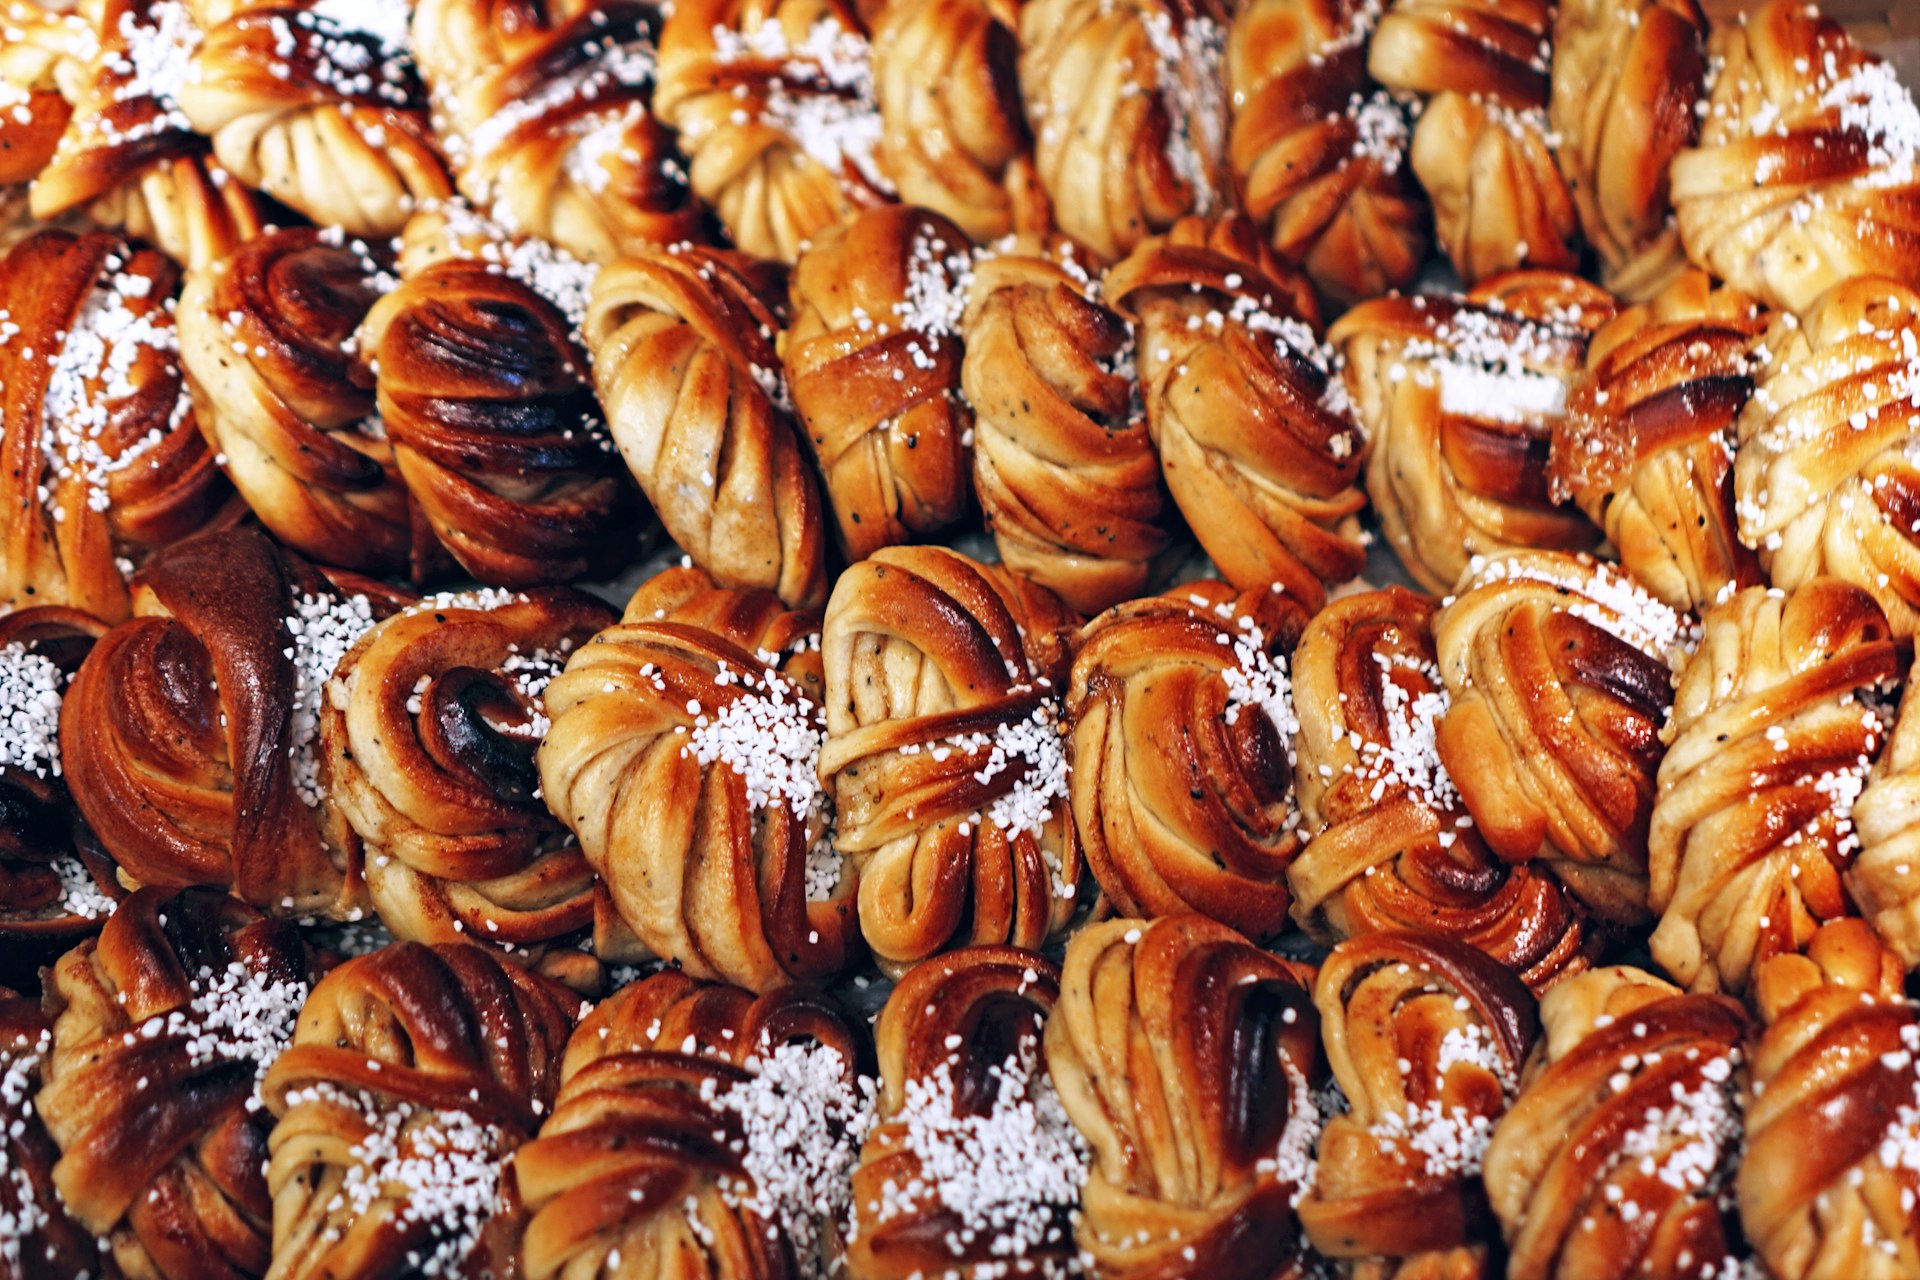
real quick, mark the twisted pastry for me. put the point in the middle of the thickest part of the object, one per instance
(1776, 721)
(953, 126)
(1389, 844)
(55, 885)
(189, 733)
(1483, 148)
(100, 461)
(1128, 107)
(1826, 478)
(1066, 474)
(1626, 81)
(699, 1131)
(873, 360)
(166, 1023)
(485, 391)
(1318, 151)
(41, 59)
(685, 363)
(544, 110)
(1241, 399)
(413, 1072)
(973, 1167)
(1459, 397)
(129, 158)
(1616, 1157)
(1182, 726)
(42, 1238)
(266, 340)
(327, 119)
(1184, 1018)
(684, 753)
(1426, 1038)
(1559, 674)
(1881, 879)
(1807, 170)
(1646, 448)
(943, 753)
(427, 736)
(774, 103)
(1833, 1116)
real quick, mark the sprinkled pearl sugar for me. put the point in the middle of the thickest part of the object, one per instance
(1685, 1144)
(233, 1015)
(154, 59)
(19, 1063)
(802, 1117)
(31, 689)
(1258, 679)
(440, 1169)
(1597, 592)
(822, 95)
(322, 628)
(1187, 73)
(93, 378)
(1410, 757)
(607, 68)
(387, 23)
(79, 895)
(1292, 1162)
(1006, 1175)
(769, 734)
(550, 271)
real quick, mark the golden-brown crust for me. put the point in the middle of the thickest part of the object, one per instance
(1615, 1158)
(128, 158)
(1883, 878)
(1389, 844)
(427, 737)
(178, 735)
(487, 396)
(1318, 151)
(1827, 1180)
(935, 664)
(545, 111)
(654, 722)
(648, 1161)
(1481, 147)
(954, 129)
(266, 343)
(56, 884)
(684, 357)
(1426, 1037)
(1626, 80)
(873, 361)
(444, 1057)
(1793, 187)
(42, 58)
(959, 1044)
(1646, 447)
(1183, 1017)
(1772, 734)
(1826, 479)
(1129, 114)
(1462, 472)
(44, 1240)
(328, 121)
(165, 1022)
(1559, 674)
(100, 458)
(1181, 773)
(1255, 440)
(774, 102)
(1066, 474)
